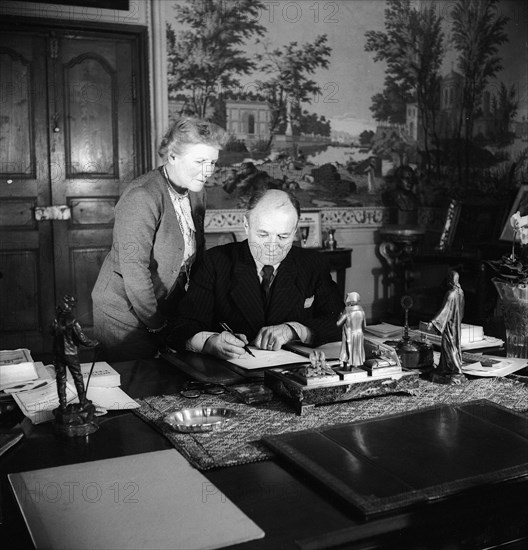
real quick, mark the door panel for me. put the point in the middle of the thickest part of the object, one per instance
(95, 145)
(69, 130)
(26, 248)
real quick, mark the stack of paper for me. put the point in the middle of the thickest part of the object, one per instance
(38, 398)
(487, 365)
(385, 330)
(16, 366)
(471, 337)
(501, 367)
(468, 333)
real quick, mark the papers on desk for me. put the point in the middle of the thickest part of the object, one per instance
(103, 375)
(264, 359)
(504, 366)
(385, 330)
(16, 366)
(39, 397)
(436, 339)
(491, 365)
(150, 500)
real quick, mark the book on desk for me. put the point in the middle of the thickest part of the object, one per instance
(149, 500)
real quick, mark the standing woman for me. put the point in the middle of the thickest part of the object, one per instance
(158, 234)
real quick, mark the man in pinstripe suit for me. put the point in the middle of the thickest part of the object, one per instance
(267, 291)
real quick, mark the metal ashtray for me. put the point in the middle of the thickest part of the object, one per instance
(200, 419)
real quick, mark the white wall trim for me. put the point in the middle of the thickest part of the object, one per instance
(158, 75)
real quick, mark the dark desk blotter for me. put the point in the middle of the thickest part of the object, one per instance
(240, 442)
(392, 462)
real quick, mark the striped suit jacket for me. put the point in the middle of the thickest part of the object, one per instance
(225, 288)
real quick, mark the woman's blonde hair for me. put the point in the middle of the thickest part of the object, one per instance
(188, 131)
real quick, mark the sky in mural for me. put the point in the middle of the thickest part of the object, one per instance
(353, 77)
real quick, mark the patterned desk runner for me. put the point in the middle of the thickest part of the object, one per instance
(239, 442)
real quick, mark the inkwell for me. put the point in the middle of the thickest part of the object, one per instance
(412, 354)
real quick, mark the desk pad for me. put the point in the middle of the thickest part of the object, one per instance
(240, 442)
(388, 463)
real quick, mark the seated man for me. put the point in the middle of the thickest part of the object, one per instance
(265, 290)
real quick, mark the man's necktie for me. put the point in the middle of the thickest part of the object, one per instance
(267, 275)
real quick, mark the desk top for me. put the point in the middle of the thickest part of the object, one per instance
(292, 510)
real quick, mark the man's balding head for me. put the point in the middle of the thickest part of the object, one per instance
(271, 223)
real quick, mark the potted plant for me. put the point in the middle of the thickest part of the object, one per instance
(511, 282)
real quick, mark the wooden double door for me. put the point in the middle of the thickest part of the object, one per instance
(73, 132)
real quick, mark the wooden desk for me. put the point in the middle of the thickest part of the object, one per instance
(292, 510)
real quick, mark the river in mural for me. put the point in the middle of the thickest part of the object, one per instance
(323, 176)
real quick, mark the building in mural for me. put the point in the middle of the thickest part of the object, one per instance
(486, 124)
(247, 120)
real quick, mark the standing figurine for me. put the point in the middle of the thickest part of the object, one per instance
(353, 321)
(448, 323)
(73, 419)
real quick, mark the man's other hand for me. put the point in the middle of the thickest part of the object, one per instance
(272, 338)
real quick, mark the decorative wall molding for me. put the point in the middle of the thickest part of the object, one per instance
(365, 217)
(368, 217)
(218, 221)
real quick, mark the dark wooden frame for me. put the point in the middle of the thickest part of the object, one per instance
(470, 223)
(97, 4)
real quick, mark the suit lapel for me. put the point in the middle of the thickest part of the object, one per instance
(245, 290)
(170, 213)
(285, 292)
(198, 214)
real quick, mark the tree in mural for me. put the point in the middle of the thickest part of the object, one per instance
(289, 85)
(311, 123)
(412, 48)
(390, 105)
(478, 32)
(206, 57)
(366, 137)
(505, 105)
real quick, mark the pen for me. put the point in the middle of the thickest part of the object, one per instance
(246, 347)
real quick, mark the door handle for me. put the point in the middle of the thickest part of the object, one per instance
(59, 212)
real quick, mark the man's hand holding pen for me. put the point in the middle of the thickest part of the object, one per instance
(226, 345)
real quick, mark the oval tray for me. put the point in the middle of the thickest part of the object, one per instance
(200, 419)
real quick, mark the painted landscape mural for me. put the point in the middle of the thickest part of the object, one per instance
(329, 98)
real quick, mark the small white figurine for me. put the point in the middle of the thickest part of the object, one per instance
(352, 343)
